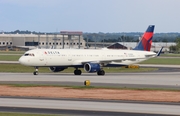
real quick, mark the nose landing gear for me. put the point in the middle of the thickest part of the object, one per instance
(36, 71)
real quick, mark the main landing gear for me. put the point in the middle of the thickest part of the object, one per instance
(36, 71)
(101, 72)
(77, 72)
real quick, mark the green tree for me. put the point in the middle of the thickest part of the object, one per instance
(176, 47)
(165, 40)
(177, 43)
(155, 40)
(173, 49)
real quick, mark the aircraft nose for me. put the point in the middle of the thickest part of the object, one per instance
(21, 60)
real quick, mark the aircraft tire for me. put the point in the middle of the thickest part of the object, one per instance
(77, 72)
(35, 73)
(101, 72)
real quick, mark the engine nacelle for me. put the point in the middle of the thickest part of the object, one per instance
(57, 69)
(91, 67)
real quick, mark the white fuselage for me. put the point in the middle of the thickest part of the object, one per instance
(73, 57)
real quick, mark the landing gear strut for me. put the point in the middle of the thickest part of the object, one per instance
(36, 71)
(77, 72)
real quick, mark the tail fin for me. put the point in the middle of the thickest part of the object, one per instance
(146, 40)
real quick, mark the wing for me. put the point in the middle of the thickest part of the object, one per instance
(122, 60)
(103, 62)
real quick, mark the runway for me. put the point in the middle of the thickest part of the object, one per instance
(166, 80)
(88, 108)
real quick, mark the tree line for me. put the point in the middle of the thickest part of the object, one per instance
(118, 37)
(175, 48)
(112, 37)
(128, 37)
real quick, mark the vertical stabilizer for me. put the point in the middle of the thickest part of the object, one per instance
(146, 40)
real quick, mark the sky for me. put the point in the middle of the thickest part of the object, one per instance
(93, 16)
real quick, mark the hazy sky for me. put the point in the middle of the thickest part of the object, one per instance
(90, 15)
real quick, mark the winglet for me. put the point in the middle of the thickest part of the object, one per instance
(158, 54)
(146, 40)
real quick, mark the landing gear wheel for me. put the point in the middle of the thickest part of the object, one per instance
(35, 72)
(101, 72)
(77, 72)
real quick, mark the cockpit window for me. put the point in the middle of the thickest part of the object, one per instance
(28, 54)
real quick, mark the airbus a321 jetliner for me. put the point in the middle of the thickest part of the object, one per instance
(92, 60)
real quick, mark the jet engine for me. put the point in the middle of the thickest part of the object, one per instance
(57, 69)
(92, 67)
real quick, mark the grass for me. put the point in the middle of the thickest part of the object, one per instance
(19, 68)
(170, 55)
(12, 52)
(91, 87)
(23, 69)
(25, 114)
(167, 61)
(9, 57)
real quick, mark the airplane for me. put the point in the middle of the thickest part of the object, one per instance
(92, 60)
